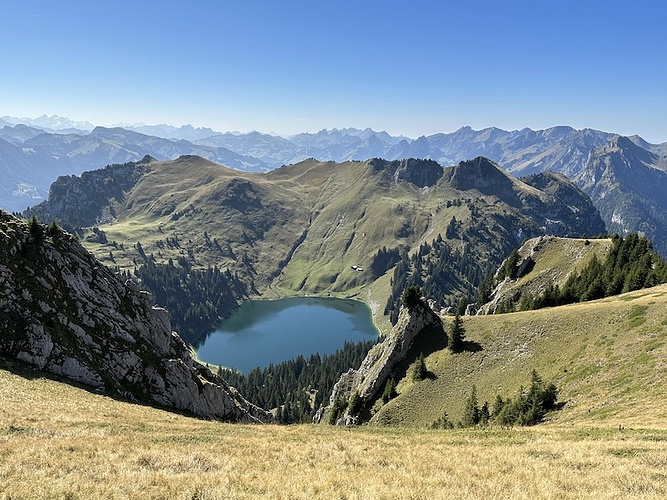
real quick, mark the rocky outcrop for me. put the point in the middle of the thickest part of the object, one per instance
(541, 262)
(486, 177)
(549, 199)
(87, 200)
(421, 173)
(505, 291)
(63, 312)
(370, 377)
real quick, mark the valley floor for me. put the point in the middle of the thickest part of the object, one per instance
(59, 441)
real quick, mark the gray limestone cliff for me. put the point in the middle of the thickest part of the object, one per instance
(66, 314)
(375, 369)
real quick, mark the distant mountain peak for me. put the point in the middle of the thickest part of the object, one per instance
(51, 122)
(478, 173)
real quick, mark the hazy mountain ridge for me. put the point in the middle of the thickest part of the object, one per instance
(49, 123)
(42, 157)
(186, 132)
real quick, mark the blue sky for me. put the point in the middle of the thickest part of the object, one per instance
(411, 68)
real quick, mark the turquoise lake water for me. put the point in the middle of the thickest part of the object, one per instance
(263, 332)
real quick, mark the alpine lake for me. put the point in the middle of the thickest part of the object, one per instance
(264, 332)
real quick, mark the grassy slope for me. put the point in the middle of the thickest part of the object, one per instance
(607, 358)
(174, 187)
(59, 441)
(555, 259)
(559, 257)
(320, 199)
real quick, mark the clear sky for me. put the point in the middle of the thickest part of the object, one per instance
(408, 67)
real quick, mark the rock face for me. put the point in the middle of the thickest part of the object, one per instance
(548, 198)
(486, 177)
(63, 312)
(421, 173)
(80, 201)
(371, 376)
(628, 184)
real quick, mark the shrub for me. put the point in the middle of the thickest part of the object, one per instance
(355, 404)
(412, 296)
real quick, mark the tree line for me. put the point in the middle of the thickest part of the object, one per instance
(197, 299)
(298, 387)
(630, 265)
(443, 272)
(528, 407)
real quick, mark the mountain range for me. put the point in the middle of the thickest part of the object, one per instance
(319, 227)
(625, 176)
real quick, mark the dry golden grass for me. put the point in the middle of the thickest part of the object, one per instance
(607, 357)
(59, 441)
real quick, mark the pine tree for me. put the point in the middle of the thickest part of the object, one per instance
(456, 335)
(389, 390)
(497, 406)
(462, 306)
(484, 414)
(412, 296)
(419, 369)
(36, 229)
(53, 230)
(471, 412)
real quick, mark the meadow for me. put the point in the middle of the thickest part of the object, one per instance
(60, 441)
(609, 441)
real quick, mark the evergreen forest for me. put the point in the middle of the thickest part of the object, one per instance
(196, 299)
(298, 387)
(442, 271)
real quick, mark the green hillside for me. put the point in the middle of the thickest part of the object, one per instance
(319, 227)
(606, 357)
(540, 263)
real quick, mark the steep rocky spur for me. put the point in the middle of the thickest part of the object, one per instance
(367, 380)
(63, 312)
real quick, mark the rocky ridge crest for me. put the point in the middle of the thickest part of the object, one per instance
(375, 369)
(63, 312)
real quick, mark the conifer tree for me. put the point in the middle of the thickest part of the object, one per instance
(497, 406)
(36, 229)
(484, 414)
(389, 390)
(419, 368)
(412, 296)
(456, 335)
(471, 412)
(462, 306)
